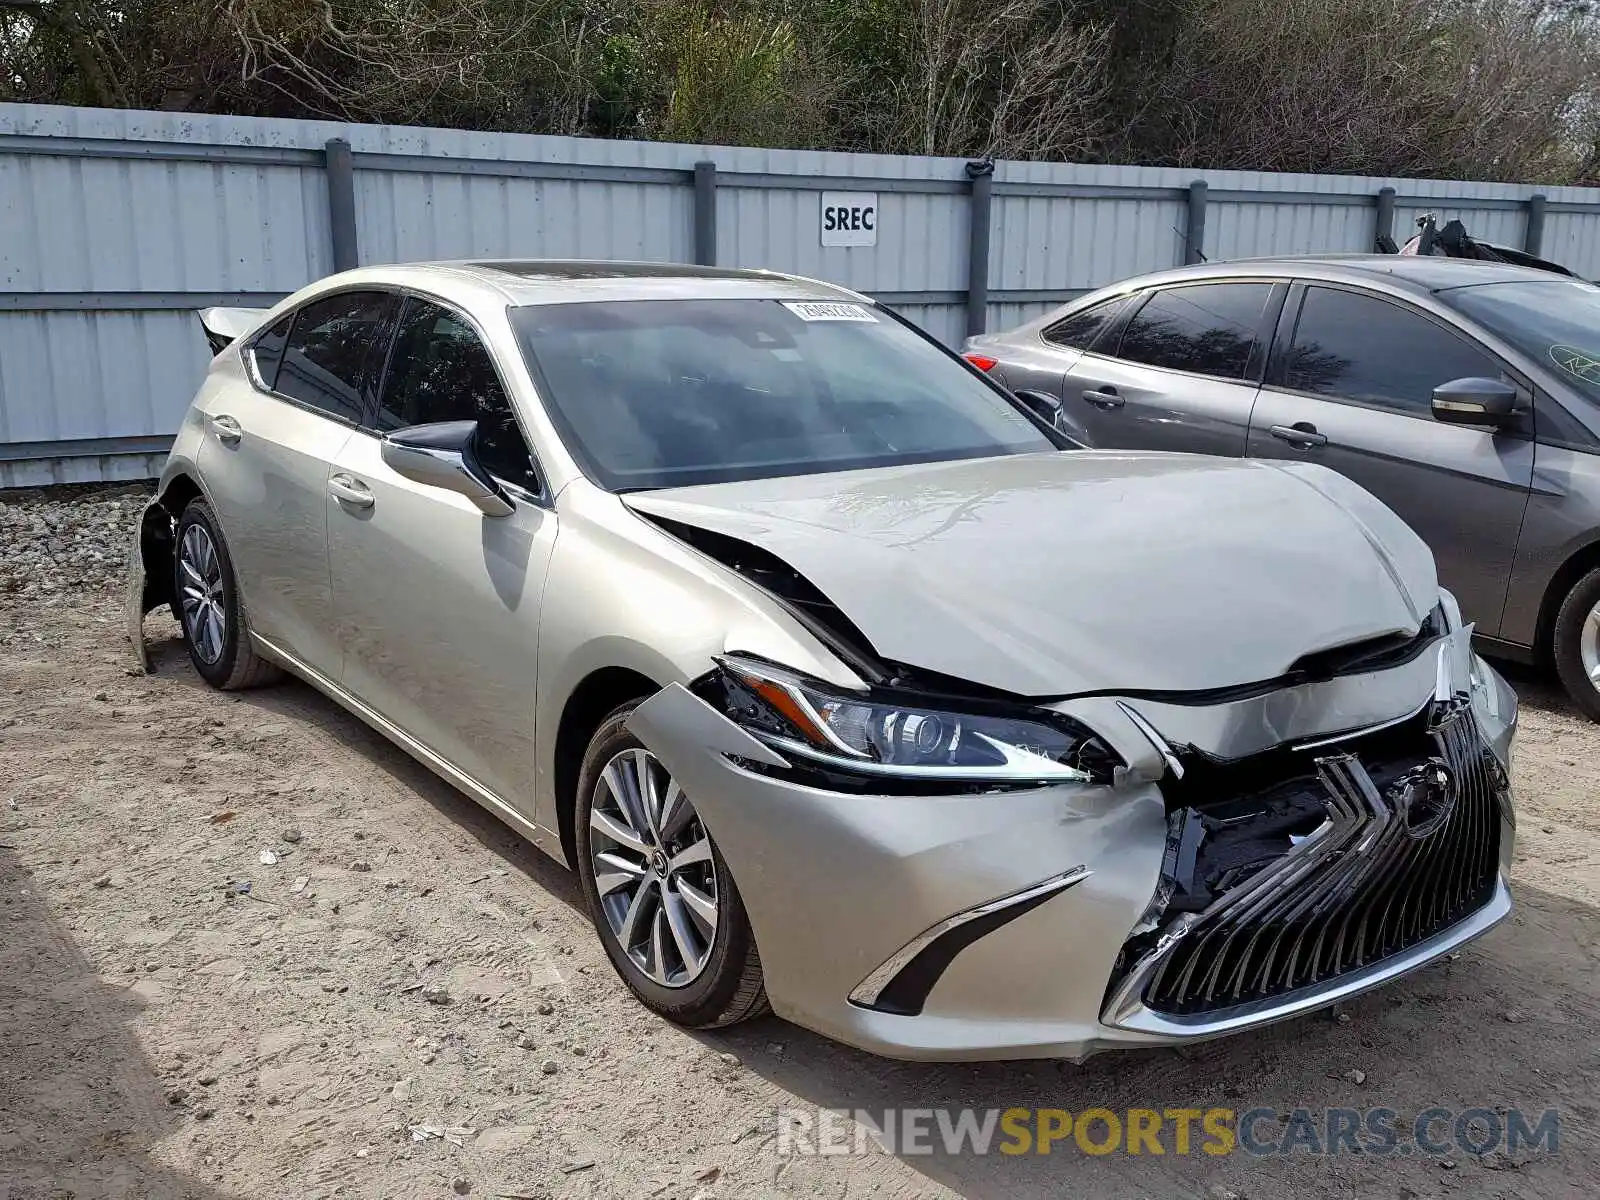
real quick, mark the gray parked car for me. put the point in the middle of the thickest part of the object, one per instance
(1465, 395)
(839, 679)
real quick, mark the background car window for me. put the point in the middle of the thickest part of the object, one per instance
(1555, 322)
(440, 371)
(1079, 331)
(1364, 349)
(267, 350)
(326, 362)
(1209, 329)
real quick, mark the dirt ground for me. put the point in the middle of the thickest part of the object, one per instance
(163, 1035)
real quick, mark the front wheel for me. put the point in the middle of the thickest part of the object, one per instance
(1577, 643)
(206, 603)
(661, 898)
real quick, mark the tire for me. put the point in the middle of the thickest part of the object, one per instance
(728, 987)
(224, 660)
(1577, 633)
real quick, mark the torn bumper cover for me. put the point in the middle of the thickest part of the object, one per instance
(1225, 878)
(149, 584)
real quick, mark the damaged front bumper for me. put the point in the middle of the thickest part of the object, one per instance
(1031, 923)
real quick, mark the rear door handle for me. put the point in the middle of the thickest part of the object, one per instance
(347, 489)
(227, 429)
(1103, 397)
(1302, 435)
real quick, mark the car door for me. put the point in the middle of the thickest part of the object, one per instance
(437, 604)
(266, 461)
(1351, 385)
(1185, 370)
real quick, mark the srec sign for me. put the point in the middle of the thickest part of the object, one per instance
(849, 218)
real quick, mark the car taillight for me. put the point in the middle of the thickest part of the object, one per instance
(982, 361)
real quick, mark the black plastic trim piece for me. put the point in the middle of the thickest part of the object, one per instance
(907, 992)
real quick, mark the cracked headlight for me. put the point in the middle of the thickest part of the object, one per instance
(871, 735)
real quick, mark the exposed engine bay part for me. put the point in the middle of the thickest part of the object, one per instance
(1452, 241)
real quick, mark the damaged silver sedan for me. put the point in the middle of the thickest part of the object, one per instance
(846, 680)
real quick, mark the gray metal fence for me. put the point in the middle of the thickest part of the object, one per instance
(116, 225)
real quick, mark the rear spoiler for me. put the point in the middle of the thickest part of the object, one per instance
(224, 326)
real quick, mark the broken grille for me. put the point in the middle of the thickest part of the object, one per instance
(1403, 842)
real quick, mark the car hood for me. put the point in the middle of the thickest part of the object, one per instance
(1055, 574)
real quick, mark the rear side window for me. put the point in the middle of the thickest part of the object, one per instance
(328, 360)
(1360, 348)
(1079, 331)
(267, 350)
(440, 371)
(1209, 329)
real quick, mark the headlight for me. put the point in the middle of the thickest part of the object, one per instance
(868, 735)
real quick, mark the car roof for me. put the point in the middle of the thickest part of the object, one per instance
(561, 281)
(1430, 273)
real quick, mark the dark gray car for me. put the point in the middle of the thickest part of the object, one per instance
(1465, 395)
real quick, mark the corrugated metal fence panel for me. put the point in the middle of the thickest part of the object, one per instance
(1059, 242)
(143, 215)
(119, 225)
(1009, 316)
(410, 216)
(100, 468)
(947, 322)
(1239, 230)
(66, 375)
(1573, 240)
(922, 239)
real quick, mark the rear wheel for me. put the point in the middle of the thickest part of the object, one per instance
(1577, 643)
(206, 601)
(661, 898)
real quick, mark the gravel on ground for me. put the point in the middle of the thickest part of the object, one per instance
(407, 1000)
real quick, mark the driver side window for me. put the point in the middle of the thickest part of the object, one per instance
(1368, 351)
(440, 371)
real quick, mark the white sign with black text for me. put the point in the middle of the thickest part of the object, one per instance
(849, 218)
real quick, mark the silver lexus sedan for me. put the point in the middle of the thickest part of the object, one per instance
(848, 685)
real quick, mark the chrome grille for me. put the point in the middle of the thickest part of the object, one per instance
(1408, 846)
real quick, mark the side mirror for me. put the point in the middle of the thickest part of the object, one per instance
(1490, 402)
(1052, 412)
(441, 455)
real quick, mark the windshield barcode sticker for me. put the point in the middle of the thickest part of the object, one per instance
(821, 310)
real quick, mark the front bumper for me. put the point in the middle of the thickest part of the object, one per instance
(1009, 912)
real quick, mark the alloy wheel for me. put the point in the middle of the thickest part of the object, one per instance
(1589, 646)
(205, 619)
(653, 869)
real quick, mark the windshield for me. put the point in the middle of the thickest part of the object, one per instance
(667, 393)
(1556, 323)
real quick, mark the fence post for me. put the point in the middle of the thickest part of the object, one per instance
(1194, 241)
(705, 214)
(341, 204)
(1533, 239)
(980, 177)
(1385, 216)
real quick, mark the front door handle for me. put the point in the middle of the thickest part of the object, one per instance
(1302, 435)
(347, 489)
(1103, 397)
(228, 430)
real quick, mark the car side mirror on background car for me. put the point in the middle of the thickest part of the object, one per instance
(1052, 412)
(1490, 402)
(441, 455)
